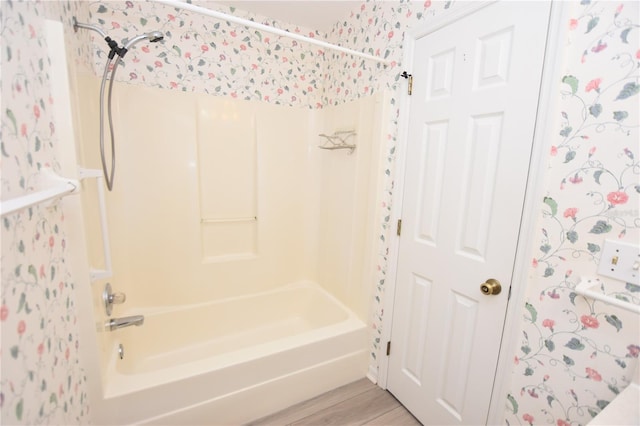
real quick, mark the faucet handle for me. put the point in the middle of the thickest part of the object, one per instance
(117, 298)
(110, 298)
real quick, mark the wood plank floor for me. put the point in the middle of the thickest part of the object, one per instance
(358, 403)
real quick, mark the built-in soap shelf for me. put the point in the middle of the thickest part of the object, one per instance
(586, 287)
(338, 140)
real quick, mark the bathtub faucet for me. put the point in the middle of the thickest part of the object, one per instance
(116, 323)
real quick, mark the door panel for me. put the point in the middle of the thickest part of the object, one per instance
(414, 344)
(479, 175)
(432, 157)
(471, 124)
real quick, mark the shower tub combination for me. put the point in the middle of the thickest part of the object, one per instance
(232, 361)
(231, 333)
(248, 251)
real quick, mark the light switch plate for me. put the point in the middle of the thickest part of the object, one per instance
(620, 261)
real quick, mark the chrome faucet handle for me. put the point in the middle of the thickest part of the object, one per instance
(111, 298)
(117, 298)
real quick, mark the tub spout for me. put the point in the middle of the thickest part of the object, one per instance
(116, 323)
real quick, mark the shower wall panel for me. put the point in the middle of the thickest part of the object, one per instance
(227, 177)
(172, 183)
(348, 196)
(217, 197)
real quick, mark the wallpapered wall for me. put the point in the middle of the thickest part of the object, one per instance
(575, 355)
(41, 380)
(212, 56)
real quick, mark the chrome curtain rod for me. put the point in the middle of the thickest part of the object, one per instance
(266, 28)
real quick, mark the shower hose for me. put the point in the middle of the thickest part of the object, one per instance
(117, 53)
(108, 175)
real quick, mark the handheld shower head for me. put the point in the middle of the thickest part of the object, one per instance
(153, 36)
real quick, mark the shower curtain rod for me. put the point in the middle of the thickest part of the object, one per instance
(252, 24)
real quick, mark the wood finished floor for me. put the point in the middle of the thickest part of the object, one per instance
(358, 403)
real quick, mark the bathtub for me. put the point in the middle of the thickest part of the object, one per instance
(234, 360)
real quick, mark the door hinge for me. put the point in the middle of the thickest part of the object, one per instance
(399, 227)
(388, 347)
(509, 295)
(409, 78)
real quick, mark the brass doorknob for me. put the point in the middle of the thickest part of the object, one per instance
(491, 287)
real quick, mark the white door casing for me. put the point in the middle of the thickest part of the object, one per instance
(471, 122)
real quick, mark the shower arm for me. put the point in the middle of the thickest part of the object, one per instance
(113, 45)
(95, 28)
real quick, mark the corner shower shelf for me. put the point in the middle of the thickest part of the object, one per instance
(338, 140)
(585, 288)
(51, 188)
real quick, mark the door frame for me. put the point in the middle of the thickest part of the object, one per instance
(544, 133)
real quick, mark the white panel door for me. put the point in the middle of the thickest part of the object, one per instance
(471, 125)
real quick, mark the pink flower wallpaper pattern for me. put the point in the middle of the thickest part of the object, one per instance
(577, 354)
(207, 55)
(42, 380)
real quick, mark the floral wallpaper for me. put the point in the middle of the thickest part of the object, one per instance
(207, 55)
(576, 354)
(41, 380)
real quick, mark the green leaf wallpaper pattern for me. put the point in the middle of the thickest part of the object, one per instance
(38, 308)
(582, 352)
(629, 89)
(572, 82)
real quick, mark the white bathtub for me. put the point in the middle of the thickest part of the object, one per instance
(233, 361)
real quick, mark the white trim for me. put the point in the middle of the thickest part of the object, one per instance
(372, 375)
(534, 192)
(542, 141)
(266, 28)
(396, 213)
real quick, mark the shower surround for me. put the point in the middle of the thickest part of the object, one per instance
(245, 246)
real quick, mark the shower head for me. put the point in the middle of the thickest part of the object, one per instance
(153, 36)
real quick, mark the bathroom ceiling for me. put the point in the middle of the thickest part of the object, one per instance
(312, 14)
